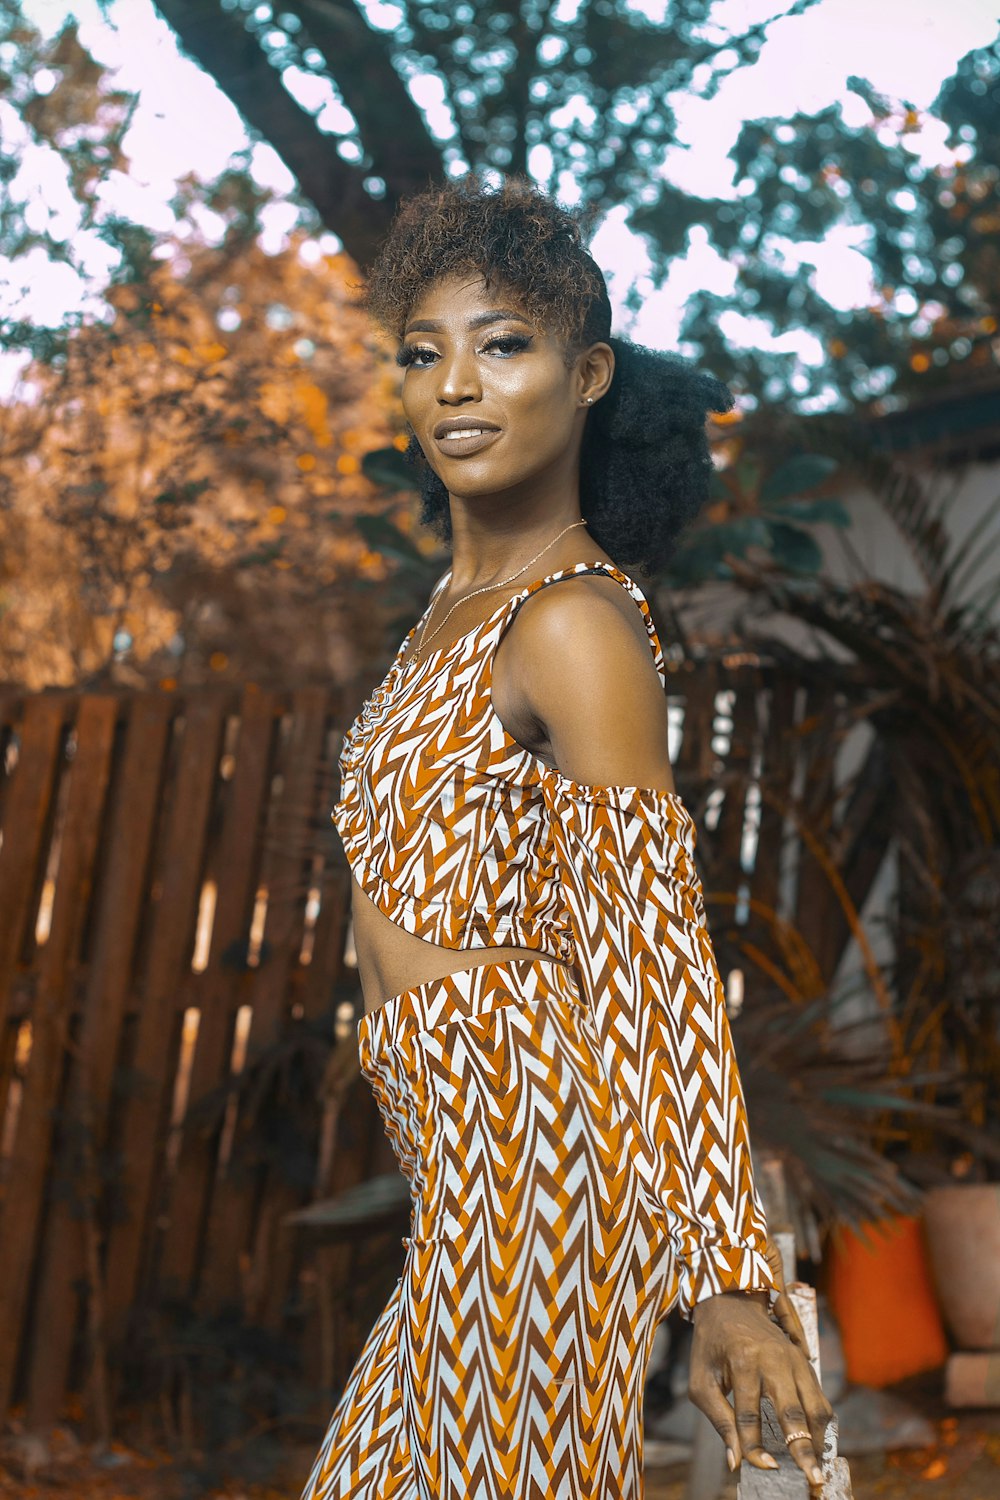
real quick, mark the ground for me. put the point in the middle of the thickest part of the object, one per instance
(963, 1464)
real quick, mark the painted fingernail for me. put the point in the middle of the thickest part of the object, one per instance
(731, 1460)
(768, 1461)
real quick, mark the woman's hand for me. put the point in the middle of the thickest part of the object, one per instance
(737, 1348)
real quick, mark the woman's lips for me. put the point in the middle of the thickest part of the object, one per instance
(460, 442)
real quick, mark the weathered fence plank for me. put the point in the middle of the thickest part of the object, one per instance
(696, 761)
(25, 827)
(218, 993)
(816, 900)
(776, 774)
(285, 873)
(175, 900)
(234, 1206)
(133, 808)
(51, 1033)
(729, 832)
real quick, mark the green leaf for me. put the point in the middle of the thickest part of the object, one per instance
(382, 535)
(803, 472)
(717, 488)
(703, 555)
(829, 512)
(389, 468)
(368, 1204)
(746, 471)
(794, 548)
(875, 1099)
(267, 553)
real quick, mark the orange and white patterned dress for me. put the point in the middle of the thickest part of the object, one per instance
(573, 1132)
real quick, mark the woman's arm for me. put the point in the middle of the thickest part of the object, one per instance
(654, 994)
(624, 846)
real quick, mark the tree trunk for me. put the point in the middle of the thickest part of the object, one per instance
(396, 140)
(220, 43)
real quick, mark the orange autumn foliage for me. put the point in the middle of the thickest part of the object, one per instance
(177, 498)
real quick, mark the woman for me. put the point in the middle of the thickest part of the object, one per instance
(544, 1024)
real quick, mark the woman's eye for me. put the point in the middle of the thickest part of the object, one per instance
(422, 357)
(414, 354)
(507, 343)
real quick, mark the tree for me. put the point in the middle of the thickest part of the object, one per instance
(180, 476)
(582, 96)
(176, 500)
(160, 498)
(65, 108)
(931, 235)
(587, 85)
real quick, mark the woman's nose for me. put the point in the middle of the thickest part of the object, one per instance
(458, 380)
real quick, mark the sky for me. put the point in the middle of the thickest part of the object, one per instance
(184, 123)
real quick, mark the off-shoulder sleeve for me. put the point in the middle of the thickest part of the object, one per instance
(651, 984)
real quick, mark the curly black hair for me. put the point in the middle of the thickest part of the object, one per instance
(645, 463)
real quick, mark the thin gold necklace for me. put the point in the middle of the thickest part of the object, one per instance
(417, 652)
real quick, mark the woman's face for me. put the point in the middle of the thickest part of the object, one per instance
(488, 392)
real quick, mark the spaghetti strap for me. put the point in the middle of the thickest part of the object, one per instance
(578, 570)
(445, 578)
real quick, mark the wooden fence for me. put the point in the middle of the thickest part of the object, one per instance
(173, 909)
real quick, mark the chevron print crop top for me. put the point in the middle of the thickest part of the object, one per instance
(441, 811)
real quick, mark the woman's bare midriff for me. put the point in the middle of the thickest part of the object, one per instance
(391, 960)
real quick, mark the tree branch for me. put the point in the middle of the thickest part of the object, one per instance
(219, 42)
(393, 131)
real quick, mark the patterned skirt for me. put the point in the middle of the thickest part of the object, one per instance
(509, 1361)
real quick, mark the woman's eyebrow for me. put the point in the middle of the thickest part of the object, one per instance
(495, 315)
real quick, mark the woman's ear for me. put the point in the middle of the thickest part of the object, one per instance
(595, 369)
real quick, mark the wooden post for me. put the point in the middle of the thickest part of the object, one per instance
(787, 1481)
(52, 1019)
(707, 1473)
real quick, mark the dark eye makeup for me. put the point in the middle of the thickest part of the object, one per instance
(509, 343)
(502, 343)
(408, 354)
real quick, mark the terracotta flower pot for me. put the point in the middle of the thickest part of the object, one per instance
(882, 1295)
(963, 1237)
